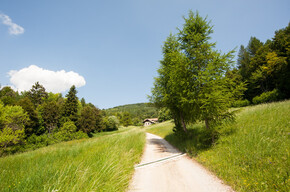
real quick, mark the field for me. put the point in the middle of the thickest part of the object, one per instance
(251, 154)
(103, 163)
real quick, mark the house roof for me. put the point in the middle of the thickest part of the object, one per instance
(153, 120)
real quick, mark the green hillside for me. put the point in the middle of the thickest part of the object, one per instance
(251, 154)
(138, 112)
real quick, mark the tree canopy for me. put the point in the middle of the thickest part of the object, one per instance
(192, 81)
(264, 67)
(36, 118)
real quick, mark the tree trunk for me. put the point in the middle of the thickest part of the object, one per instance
(183, 123)
(206, 123)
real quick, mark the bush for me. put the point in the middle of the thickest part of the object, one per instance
(35, 142)
(111, 123)
(241, 103)
(68, 132)
(266, 97)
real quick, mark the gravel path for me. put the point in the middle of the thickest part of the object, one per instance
(164, 169)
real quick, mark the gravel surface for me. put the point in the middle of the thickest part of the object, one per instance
(164, 169)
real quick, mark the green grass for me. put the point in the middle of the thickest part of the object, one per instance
(251, 154)
(103, 163)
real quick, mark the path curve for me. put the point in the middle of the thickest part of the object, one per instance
(164, 169)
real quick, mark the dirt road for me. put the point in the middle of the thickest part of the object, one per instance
(165, 169)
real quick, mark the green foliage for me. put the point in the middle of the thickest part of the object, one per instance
(138, 112)
(251, 153)
(32, 125)
(13, 117)
(12, 121)
(164, 114)
(36, 119)
(265, 66)
(70, 108)
(241, 103)
(57, 97)
(8, 136)
(8, 96)
(34, 141)
(83, 102)
(68, 132)
(111, 123)
(191, 81)
(50, 114)
(90, 120)
(266, 97)
(37, 94)
(126, 119)
(68, 127)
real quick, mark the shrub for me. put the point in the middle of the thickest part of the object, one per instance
(10, 137)
(68, 132)
(35, 141)
(266, 97)
(111, 123)
(241, 103)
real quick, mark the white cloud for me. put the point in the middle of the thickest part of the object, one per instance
(53, 81)
(14, 29)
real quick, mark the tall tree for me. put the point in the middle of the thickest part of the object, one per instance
(32, 124)
(90, 119)
(244, 62)
(191, 81)
(83, 102)
(8, 95)
(37, 94)
(12, 122)
(70, 108)
(281, 46)
(253, 46)
(50, 114)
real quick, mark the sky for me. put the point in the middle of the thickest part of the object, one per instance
(110, 50)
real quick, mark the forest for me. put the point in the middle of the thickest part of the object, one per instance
(35, 118)
(265, 69)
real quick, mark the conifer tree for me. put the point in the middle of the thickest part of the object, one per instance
(191, 81)
(70, 107)
(37, 94)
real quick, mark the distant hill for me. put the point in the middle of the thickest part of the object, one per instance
(138, 111)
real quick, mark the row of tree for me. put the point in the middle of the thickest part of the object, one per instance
(35, 113)
(265, 69)
(198, 83)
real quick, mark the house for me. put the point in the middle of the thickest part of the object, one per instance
(148, 122)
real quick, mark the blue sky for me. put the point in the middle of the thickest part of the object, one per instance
(115, 46)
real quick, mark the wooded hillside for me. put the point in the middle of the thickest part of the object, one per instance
(136, 112)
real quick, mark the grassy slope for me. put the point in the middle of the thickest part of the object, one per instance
(98, 164)
(253, 155)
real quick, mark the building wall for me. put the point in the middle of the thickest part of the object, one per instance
(147, 123)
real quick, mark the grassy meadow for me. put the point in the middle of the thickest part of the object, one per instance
(251, 154)
(103, 163)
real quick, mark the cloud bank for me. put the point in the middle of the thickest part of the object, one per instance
(14, 29)
(53, 81)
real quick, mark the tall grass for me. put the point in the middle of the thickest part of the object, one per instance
(98, 164)
(251, 154)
